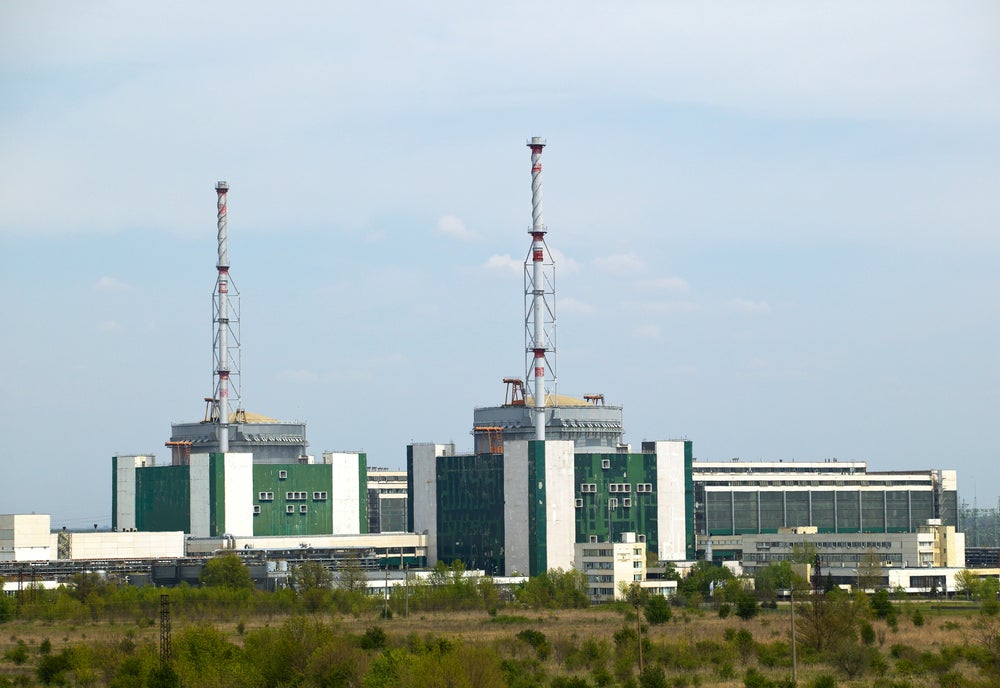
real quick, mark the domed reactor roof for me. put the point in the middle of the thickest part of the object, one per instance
(269, 440)
(591, 425)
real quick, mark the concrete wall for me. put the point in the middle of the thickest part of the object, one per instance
(238, 493)
(515, 513)
(123, 478)
(201, 503)
(670, 512)
(424, 495)
(560, 497)
(122, 545)
(345, 491)
(25, 537)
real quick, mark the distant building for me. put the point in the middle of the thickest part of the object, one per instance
(233, 494)
(746, 497)
(521, 511)
(610, 566)
(387, 500)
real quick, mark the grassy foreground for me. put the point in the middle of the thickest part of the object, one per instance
(512, 647)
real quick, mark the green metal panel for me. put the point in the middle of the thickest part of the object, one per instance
(163, 498)
(595, 518)
(470, 510)
(689, 500)
(537, 523)
(216, 494)
(363, 493)
(114, 493)
(409, 486)
(274, 517)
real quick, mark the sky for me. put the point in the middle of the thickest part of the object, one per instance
(774, 224)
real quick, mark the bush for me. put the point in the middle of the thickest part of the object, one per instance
(823, 681)
(918, 618)
(725, 609)
(373, 639)
(657, 610)
(746, 607)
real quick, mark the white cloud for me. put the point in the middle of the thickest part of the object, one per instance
(453, 227)
(668, 284)
(571, 305)
(110, 327)
(745, 306)
(111, 284)
(622, 262)
(564, 264)
(504, 263)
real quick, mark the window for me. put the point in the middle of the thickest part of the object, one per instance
(296, 496)
(319, 496)
(282, 475)
(303, 508)
(641, 538)
(593, 538)
(613, 503)
(256, 509)
(290, 509)
(265, 496)
(627, 502)
(605, 463)
(579, 503)
(613, 487)
(626, 487)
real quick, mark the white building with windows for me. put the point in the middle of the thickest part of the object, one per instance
(609, 565)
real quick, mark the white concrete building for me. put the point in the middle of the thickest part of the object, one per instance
(611, 566)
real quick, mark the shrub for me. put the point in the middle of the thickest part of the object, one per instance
(373, 639)
(823, 681)
(725, 609)
(867, 633)
(918, 618)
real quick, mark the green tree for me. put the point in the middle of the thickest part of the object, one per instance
(827, 622)
(870, 570)
(967, 583)
(226, 571)
(312, 581)
(657, 610)
(351, 576)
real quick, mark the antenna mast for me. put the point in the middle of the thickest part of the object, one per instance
(539, 299)
(226, 328)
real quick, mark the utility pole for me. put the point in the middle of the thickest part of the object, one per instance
(791, 597)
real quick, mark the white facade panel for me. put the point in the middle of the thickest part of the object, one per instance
(560, 497)
(425, 493)
(125, 488)
(238, 499)
(345, 492)
(515, 510)
(670, 500)
(200, 496)
(25, 537)
(129, 545)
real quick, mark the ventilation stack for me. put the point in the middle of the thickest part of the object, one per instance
(539, 299)
(225, 302)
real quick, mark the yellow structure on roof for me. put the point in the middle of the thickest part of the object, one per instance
(557, 400)
(248, 417)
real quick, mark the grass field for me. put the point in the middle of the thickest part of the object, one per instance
(592, 646)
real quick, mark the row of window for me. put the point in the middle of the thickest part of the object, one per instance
(593, 540)
(591, 488)
(626, 502)
(289, 509)
(293, 496)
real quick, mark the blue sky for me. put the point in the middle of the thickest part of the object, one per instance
(775, 224)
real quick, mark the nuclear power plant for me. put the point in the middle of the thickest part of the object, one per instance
(549, 477)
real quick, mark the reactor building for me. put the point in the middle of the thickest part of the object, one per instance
(234, 472)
